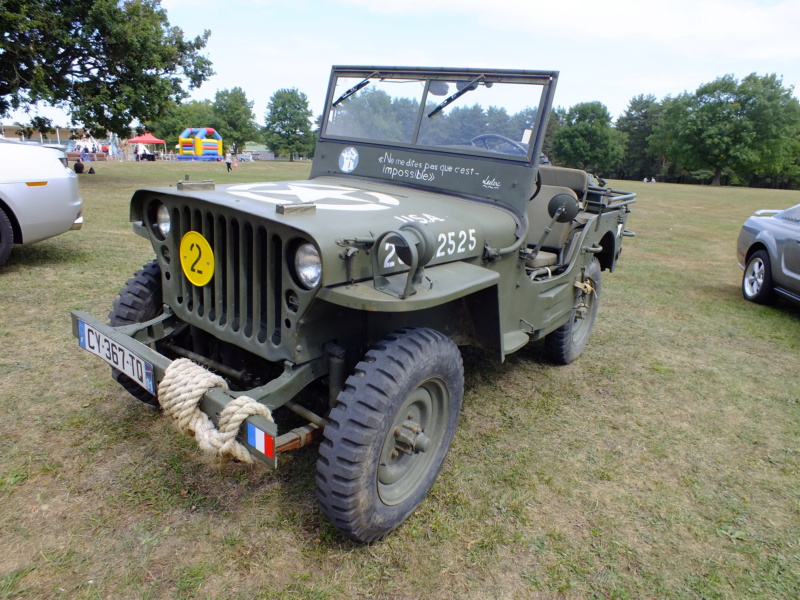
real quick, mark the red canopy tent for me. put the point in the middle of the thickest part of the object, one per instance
(148, 138)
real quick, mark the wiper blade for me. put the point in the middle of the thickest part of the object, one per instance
(354, 89)
(457, 95)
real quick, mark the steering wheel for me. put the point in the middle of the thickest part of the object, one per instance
(522, 150)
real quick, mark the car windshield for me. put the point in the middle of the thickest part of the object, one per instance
(475, 114)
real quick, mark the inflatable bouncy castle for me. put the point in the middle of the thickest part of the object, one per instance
(200, 143)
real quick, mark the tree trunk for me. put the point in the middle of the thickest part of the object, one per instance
(717, 176)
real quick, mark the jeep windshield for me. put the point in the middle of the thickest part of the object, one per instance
(475, 133)
(464, 112)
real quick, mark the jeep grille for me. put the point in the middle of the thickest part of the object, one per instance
(242, 303)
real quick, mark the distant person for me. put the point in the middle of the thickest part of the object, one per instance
(652, 180)
(228, 160)
(235, 164)
(645, 180)
(78, 166)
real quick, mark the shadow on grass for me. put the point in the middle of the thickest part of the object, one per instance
(46, 253)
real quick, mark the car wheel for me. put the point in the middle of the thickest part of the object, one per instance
(140, 300)
(6, 237)
(389, 433)
(757, 278)
(566, 343)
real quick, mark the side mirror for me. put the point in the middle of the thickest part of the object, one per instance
(438, 88)
(563, 208)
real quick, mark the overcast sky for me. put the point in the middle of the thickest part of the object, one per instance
(606, 50)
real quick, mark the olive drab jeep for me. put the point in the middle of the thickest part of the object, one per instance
(280, 314)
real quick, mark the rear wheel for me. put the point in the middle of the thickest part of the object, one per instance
(757, 278)
(140, 300)
(389, 433)
(567, 342)
(6, 237)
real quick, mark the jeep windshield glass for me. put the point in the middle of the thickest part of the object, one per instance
(495, 117)
(354, 89)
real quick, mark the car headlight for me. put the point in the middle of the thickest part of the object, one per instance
(163, 222)
(307, 265)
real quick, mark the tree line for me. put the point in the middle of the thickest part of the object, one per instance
(726, 132)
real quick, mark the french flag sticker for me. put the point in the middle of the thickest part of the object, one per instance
(260, 441)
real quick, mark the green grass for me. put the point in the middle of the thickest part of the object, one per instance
(664, 463)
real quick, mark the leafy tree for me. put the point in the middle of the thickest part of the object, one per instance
(177, 117)
(638, 123)
(288, 129)
(587, 141)
(235, 120)
(707, 129)
(558, 117)
(775, 114)
(747, 127)
(106, 62)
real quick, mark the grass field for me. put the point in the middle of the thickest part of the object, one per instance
(664, 463)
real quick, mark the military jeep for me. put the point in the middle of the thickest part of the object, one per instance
(335, 307)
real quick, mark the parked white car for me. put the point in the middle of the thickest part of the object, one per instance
(39, 195)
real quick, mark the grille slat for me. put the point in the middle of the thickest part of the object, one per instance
(245, 258)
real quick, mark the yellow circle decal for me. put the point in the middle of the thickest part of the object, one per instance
(197, 259)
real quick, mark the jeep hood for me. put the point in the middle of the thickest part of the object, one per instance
(328, 210)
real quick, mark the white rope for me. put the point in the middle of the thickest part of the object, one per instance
(179, 395)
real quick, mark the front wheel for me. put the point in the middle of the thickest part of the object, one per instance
(566, 343)
(140, 300)
(389, 433)
(757, 278)
(6, 237)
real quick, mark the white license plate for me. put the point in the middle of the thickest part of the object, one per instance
(117, 356)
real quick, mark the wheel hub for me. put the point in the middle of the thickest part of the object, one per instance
(410, 438)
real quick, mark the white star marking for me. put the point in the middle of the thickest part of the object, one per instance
(323, 196)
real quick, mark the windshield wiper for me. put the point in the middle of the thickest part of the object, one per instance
(457, 95)
(354, 89)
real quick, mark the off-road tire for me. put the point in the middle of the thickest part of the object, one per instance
(6, 237)
(140, 300)
(566, 343)
(757, 279)
(365, 486)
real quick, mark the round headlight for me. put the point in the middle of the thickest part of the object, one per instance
(308, 265)
(162, 220)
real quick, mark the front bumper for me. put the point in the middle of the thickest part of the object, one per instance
(140, 339)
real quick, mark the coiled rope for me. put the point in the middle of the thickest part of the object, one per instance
(179, 395)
